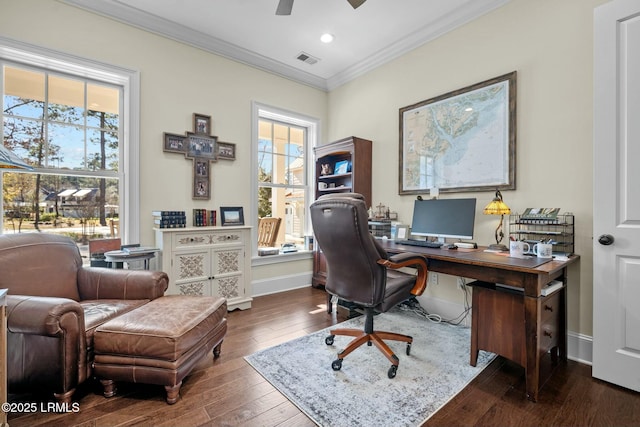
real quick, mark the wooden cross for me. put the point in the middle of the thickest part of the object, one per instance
(201, 148)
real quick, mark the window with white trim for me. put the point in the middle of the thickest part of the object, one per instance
(65, 118)
(282, 150)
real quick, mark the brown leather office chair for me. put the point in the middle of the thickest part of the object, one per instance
(268, 231)
(360, 271)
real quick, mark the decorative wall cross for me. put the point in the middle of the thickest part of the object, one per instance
(201, 148)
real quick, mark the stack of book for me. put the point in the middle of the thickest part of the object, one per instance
(169, 219)
(204, 218)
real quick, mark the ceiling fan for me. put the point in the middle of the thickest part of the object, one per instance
(285, 6)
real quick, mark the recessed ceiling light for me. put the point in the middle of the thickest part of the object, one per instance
(326, 38)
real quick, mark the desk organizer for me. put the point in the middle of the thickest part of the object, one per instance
(558, 231)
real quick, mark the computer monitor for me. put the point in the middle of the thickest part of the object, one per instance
(441, 218)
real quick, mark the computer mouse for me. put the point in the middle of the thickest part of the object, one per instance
(452, 247)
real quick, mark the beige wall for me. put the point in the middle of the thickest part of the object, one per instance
(176, 81)
(549, 44)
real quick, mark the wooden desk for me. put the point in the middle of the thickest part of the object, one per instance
(498, 315)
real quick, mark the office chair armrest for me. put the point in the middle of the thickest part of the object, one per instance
(410, 260)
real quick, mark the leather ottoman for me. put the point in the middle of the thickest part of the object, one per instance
(159, 342)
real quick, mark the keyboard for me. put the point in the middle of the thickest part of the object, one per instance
(423, 243)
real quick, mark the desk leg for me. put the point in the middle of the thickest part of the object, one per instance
(562, 343)
(532, 370)
(475, 317)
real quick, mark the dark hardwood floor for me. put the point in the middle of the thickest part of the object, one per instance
(228, 392)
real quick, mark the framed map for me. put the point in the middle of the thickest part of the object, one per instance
(464, 140)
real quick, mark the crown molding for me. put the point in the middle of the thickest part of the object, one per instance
(162, 27)
(121, 12)
(450, 22)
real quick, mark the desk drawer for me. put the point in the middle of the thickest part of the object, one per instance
(548, 337)
(549, 322)
(550, 307)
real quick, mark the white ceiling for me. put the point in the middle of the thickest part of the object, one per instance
(249, 31)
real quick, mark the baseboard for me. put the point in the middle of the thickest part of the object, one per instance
(277, 284)
(580, 347)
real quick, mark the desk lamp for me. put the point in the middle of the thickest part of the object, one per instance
(8, 160)
(497, 207)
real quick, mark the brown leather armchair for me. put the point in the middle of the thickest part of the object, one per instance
(360, 271)
(54, 305)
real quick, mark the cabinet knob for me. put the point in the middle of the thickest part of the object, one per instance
(548, 334)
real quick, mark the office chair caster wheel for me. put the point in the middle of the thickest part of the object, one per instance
(336, 365)
(392, 371)
(408, 349)
(329, 340)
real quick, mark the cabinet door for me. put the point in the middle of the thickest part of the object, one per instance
(227, 265)
(191, 270)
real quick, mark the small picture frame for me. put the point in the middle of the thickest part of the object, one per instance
(201, 190)
(226, 151)
(231, 216)
(174, 143)
(201, 124)
(402, 232)
(201, 146)
(201, 167)
(341, 167)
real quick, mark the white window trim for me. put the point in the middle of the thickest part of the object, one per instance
(129, 172)
(258, 111)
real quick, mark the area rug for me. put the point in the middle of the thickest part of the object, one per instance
(361, 393)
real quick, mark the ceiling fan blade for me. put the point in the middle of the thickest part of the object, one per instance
(284, 7)
(356, 3)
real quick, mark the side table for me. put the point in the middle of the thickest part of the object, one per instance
(115, 257)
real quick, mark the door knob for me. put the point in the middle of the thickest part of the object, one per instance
(606, 239)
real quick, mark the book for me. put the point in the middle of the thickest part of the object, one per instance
(167, 214)
(204, 218)
(170, 219)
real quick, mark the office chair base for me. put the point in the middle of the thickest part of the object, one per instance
(376, 338)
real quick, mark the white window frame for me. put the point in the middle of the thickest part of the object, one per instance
(129, 80)
(263, 111)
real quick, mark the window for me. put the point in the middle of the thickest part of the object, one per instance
(67, 120)
(282, 147)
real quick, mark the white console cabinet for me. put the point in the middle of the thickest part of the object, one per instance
(207, 261)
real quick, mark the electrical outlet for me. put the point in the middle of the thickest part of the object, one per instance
(433, 278)
(461, 282)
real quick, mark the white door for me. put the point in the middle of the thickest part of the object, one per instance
(616, 215)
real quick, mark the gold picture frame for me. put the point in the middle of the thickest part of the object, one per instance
(464, 140)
